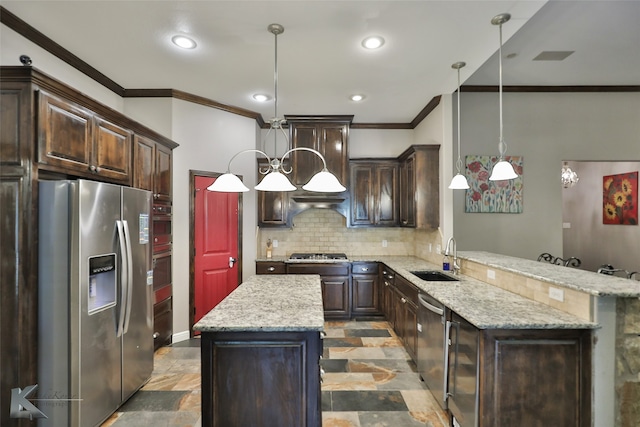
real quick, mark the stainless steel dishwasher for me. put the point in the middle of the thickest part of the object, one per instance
(433, 354)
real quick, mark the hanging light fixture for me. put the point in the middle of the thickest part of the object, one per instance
(502, 170)
(459, 182)
(275, 174)
(569, 178)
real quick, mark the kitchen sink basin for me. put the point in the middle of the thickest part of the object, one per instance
(434, 276)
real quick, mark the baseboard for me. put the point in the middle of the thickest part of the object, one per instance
(181, 336)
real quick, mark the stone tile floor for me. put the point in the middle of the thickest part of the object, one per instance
(369, 381)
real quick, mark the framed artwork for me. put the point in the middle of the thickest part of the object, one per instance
(620, 199)
(492, 196)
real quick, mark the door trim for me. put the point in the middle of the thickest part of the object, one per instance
(192, 286)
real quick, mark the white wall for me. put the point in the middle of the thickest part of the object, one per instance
(545, 128)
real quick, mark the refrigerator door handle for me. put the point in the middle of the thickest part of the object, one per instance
(127, 235)
(123, 277)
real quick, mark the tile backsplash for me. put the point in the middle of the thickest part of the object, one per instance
(325, 230)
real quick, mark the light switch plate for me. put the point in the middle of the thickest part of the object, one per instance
(556, 294)
(491, 274)
(275, 243)
(384, 243)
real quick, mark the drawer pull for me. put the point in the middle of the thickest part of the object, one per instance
(365, 269)
(271, 269)
(404, 301)
(156, 335)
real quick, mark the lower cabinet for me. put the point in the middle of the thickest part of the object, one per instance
(365, 288)
(261, 379)
(524, 378)
(406, 314)
(336, 289)
(162, 323)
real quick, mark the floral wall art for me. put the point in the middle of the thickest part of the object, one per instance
(620, 199)
(492, 196)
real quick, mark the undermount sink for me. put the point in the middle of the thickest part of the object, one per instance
(433, 276)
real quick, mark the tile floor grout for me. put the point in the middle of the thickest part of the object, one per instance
(369, 381)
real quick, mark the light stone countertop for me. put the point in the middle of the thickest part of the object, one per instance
(483, 305)
(269, 303)
(571, 278)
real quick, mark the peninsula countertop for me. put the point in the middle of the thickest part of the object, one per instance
(269, 303)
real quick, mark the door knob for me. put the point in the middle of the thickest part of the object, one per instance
(232, 261)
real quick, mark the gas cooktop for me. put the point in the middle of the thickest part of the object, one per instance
(315, 256)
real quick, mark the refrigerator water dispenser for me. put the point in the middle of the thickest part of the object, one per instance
(102, 282)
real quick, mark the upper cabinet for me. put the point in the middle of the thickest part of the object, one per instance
(374, 193)
(419, 187)
(74, 140)
(152, 168)
(326, 134)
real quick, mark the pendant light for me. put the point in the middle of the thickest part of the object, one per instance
(568, 177)
(459, 182)
(275, 175)
(502, 170)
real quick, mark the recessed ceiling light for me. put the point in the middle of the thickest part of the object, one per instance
(261, 97)
(373, 42)
(183, 42)
(356, 98)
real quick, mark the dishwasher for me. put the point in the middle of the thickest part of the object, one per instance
(433, 346)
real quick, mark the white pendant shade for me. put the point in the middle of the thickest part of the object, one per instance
(502, 170)
(324, 182)
(459, 182)
(275, 181)
(228, 183)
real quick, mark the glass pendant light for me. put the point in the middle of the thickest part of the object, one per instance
(275, 174)
(459, 182)
(502, 170)
(569, 178)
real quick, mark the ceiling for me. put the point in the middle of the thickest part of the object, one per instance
(320, 58)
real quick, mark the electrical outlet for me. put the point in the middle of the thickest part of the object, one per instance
(556, 294)
(384, 243)
(438, 249)
(430, 250)
(491, 274)
(275, 243)
(566, 225)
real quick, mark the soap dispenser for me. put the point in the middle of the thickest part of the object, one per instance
(446, 262)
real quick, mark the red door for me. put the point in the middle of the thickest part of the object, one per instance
(216, 246)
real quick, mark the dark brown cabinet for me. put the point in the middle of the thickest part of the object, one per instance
(419, 187)
(365, 289)
(325, 134)
(152, 172)
(406, 314)
(273, 206)
(387, 294)
(271, 267)
(529, 378)
(374, 193)
(74, 140)
(48, 130)
(261, 379)
(336, 289)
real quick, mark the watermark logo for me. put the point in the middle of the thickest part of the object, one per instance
(21, 407)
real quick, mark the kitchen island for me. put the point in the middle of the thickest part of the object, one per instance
(261, 349)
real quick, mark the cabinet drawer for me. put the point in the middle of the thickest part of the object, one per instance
(161, 233)
(270, 268)
(364, 268)
(409, 291)
(162, 323)
(161, 271)
(332, 269)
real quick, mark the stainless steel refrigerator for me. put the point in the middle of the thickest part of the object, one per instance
(95, 299)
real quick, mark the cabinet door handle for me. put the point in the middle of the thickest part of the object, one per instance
(365, 269)
(404, 301)
(156, 335)
(271, 269)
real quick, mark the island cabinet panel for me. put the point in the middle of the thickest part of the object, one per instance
(536, 378)
(261, 379)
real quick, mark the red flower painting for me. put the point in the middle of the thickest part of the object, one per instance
(620, 199)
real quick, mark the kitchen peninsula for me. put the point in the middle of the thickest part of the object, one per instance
(261, 349)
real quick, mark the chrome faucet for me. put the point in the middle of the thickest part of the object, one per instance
(455, 266)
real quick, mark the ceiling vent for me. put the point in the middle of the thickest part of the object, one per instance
(553, 55)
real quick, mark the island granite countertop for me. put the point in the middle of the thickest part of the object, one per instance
(267, 303)
(601, 285)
